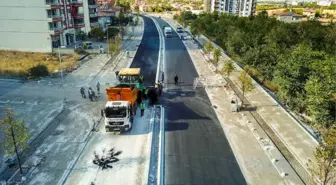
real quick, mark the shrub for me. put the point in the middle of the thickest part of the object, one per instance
(80, 51)
(38, 71)
(271, 86)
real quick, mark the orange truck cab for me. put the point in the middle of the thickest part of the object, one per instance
(120, 107)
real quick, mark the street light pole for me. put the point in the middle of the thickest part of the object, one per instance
(62, 79)
(107, 38)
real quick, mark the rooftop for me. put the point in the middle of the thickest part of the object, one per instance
(290, 14)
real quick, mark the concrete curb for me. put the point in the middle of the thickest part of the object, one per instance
(161, 144)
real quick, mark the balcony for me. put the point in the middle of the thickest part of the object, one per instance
(54, 4)
(76, 3)
(94, 14)
(78, 16)
(55, 17)
(57, 30)
(79, 24)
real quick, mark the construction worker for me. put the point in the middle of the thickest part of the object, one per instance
(142, 108)
(145, 93)
(141, 79)
(160, 86)
(176, 80)
(98, 87)
(82, 91)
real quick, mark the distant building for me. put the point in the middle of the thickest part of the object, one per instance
(207, 5)
(106, 15)
(309, 12)
(290, 17)
(324, 3)
(40, 25)
(243, 8)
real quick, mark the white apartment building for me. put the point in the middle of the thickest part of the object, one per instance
(243, 8)
(40, 25)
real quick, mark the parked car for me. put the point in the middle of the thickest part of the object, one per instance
(179, 29)
(88, 45)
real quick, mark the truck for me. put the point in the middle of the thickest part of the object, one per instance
(120, 107)
(122, 99)
(167, 31)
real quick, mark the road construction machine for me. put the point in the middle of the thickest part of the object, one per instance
(120, 107)
(122, 100)
(131, 76)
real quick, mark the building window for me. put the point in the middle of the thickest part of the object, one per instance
(62, 11)
(52, 2)
(53, 25)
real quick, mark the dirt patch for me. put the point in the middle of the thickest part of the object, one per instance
(17, 64)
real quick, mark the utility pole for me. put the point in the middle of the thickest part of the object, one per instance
(62, 79)
(107, 40)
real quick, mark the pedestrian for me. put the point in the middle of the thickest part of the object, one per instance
(142, 108)
(141, 78)
(98, 87)
(90, 93)
(160, 86)
(176, 80)
(162, 77)
(82, 91)
(117, 73)
(145, 93)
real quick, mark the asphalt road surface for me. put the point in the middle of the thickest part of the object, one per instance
(147, 55)
(196, 150)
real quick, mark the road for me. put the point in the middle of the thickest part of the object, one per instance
(196, 149)
(147, 55)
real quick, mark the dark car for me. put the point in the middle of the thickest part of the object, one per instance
(179, 29)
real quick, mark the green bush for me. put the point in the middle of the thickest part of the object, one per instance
(80, 51)
(38, 71)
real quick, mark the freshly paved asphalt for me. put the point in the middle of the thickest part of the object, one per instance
(146, 57)
(197, 150)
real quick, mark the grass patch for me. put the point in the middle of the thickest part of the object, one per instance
(17, 64)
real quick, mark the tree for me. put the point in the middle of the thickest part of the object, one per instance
(246, 84)
(16, 134)
(319, 89)
(228, 67)
(216, 56)
(324, 166)
(292, 72)
(112, 32)
(97, 33)
(194, 29)
(136, 22)
(114, 45)
(208, 47)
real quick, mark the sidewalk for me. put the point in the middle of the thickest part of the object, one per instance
(235, 132)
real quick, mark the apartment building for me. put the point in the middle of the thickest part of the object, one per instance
(243, 8)
(40, 25)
